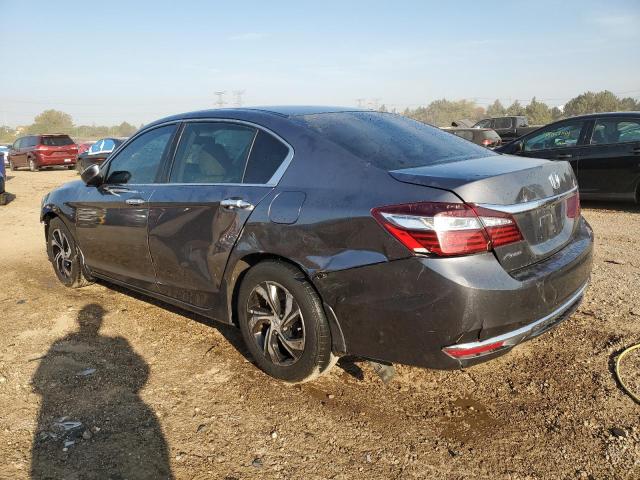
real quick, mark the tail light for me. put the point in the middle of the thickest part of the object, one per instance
(573, 206)
(486, 142)
(461, 352)
(447, 229)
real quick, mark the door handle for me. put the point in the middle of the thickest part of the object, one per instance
(134, 201)
(563, 155)
(236, 203)
(636, 151)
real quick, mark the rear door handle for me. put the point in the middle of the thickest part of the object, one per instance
(563, 155)
(236, 203)
(636, 150)
(134, 201)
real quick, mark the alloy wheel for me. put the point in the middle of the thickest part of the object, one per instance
(61, 251)
(275, 323)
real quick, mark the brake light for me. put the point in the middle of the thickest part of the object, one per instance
(486, 142)
(447, 229)
(573, 206)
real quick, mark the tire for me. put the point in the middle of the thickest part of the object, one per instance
(299, 349)
(33, 166)
(12, 166)
(71, 167)
(65, 256)
(2, 185)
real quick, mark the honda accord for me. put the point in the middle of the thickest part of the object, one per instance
(323, 232)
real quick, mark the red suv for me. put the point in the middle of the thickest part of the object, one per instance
(38, 151)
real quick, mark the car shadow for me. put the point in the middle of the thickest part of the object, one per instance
(92, 421)
(6, 198)
(627, 207)
(229, 332)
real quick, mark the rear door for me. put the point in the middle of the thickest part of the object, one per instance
(112, 220)
(15, 154)
(609, 166)
(560, 141)
(221, 171)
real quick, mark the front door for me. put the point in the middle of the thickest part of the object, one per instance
(112, 219)
(221, 171)
(609, 166)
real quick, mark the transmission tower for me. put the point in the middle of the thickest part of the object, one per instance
(237, 96)
(360, 102)
(220, 102)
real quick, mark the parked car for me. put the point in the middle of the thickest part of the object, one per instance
(3, 177)
(4, 154)
(39, 151)
(602, 148)
(508, 128)
(98, 152)
(84, 146)
(322, 232)
(485, 137)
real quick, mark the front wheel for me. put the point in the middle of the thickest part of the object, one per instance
(33, 166)
(283, 323)
(65, 256)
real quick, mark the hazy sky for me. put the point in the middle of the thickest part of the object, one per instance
(105, 62)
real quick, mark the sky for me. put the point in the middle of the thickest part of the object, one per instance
(137, 61)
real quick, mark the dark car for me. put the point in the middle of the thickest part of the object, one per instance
(602, 148)
(480, 136)
(98, 152)
(39, 151)
(508, 128)
(323, 232)
(3, 177)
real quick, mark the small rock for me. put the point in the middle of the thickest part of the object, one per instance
(257, 462)
(618, 432)
(616, 261)
(331, 396)
(3, 379)
(87, 435)
(201, 427)
(20, 302)
(86, 372)
(368, 457)
(95, 429)
(274, 434)
(454, 453)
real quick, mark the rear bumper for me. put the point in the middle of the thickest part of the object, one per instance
(407, 311)
(51, 161)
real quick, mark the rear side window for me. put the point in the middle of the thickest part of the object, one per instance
(504, 122)
(267, 155)
(56, 141)
(212, 152)
(391, 142)
(615, 130)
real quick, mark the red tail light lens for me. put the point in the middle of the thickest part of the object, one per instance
(486, 142)
(472, 352)
(447, 229)
(573, 206)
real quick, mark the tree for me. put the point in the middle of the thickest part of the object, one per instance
(52, 121)
(629, 104)
(383, 108)
(556, 114)
(443, 112)
(538, 113)
(591, 102)
(496, 109)
(126, 129)
(515, 109)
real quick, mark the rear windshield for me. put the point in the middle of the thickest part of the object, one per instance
(392, 142)
(57, 141)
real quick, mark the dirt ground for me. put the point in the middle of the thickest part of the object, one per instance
(173, 395)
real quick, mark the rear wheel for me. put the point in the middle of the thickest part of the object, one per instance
(33, 166)
(65, 256)
(283, 323)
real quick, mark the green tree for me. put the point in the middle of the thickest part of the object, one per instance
(443, 112)
(629, 104)
(515, 109)
(496, 109)
(592, 102)
(538, 113)
(556, 114)
(52, 121)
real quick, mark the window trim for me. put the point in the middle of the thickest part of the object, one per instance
(275, 178)
(617, 119)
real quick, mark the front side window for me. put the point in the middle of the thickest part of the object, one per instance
(483, 124)
(504, 122)
(615, 130)
(558, 136)
(212, 152)
(139, 162)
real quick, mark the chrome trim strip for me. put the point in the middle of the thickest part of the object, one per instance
(528, 206)
(516, 336)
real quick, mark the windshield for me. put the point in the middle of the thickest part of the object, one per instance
(57, 141)
(392, 142)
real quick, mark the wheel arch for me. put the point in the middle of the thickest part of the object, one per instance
(245, 263)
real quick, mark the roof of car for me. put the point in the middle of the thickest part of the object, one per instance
(608, 114)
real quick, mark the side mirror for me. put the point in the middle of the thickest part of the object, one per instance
(91, 176)
(518, 147)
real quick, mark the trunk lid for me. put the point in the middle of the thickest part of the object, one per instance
(533, 191)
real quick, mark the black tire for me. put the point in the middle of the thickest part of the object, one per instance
(2, 185)
(65, 256)
(311, 326)
(33, 166)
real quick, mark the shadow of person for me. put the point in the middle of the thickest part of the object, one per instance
(92, 422)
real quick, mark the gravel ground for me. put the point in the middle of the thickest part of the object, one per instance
(162, 393)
